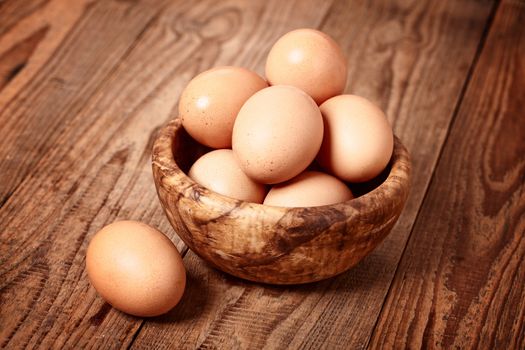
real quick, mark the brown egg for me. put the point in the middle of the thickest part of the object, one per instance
(136, 268)
(358, 140)
(219, 171)
(209, 104)
(309, 189)
(310, 60)
(277, 134)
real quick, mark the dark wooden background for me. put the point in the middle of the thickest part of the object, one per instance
(85, 85)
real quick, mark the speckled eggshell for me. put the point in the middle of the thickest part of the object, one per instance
(358, 140)
(210, 102)
(310, 60)
(309, 189)
(219, 171)
(136, 268)
(277, 134)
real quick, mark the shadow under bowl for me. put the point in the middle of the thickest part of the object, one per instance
(272, 244)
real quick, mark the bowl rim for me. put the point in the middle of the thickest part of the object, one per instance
(397, 181)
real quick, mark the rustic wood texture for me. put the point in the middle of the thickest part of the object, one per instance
(460, 284)
(85, 86)
(270, 244)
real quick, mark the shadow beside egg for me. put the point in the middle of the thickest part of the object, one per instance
(197, 295)
(359, 189)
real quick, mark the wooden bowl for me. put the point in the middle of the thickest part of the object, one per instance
(272, 244)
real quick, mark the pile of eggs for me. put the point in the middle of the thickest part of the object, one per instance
(277, 132)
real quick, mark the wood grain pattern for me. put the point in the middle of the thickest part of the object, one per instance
(85, 86)
(270, 244)
(12, 11)
(415, 43)
(24, 41)
(460, 283)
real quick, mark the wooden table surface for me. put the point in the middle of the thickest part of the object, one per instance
(85, 85)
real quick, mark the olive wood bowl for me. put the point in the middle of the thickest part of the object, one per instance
(273, 244)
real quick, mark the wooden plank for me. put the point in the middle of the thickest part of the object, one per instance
(44, 291)
(63, 83)
(400, 57)
(33, 31)
(12, 11)
(460, 284)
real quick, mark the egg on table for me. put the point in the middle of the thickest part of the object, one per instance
(136, 268)
(309, 189)
(358, 140)
(277, 134)
(310, 60)
(210, 102)
(219, 171)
